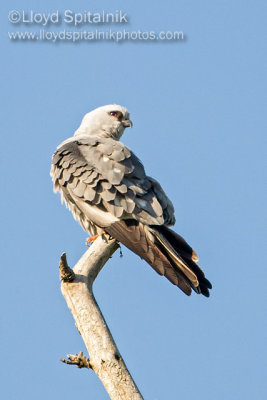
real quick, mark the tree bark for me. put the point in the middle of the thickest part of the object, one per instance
(77, 290)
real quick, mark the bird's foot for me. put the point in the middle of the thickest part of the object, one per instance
(103, 234)
(92, 239)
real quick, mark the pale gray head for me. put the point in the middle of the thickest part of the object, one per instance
(107, 121)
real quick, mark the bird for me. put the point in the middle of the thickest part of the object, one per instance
(105, 186)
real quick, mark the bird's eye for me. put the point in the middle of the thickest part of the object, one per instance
(114, 114)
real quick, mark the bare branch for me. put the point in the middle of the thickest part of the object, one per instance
(105, 358)
(78, 359)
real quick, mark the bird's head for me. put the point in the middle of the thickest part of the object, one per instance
(107, 121)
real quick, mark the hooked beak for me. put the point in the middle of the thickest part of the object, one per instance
(126, 123)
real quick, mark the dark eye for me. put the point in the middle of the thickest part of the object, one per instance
(114, 113)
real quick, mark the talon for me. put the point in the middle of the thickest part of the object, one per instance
(91, 239)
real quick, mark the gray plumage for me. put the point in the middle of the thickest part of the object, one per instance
(105, 186)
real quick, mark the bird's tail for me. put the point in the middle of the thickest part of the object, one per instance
(182, 257)
(166, 251)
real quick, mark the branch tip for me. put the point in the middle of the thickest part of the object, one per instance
(66, 274)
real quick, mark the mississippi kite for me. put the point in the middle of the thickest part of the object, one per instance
(105, 186)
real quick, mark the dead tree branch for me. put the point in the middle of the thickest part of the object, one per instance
(105, 358)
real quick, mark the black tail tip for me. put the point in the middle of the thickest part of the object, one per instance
(205, 292)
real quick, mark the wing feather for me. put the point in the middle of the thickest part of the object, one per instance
(103, 172)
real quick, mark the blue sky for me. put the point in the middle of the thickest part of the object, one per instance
(200, 129)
